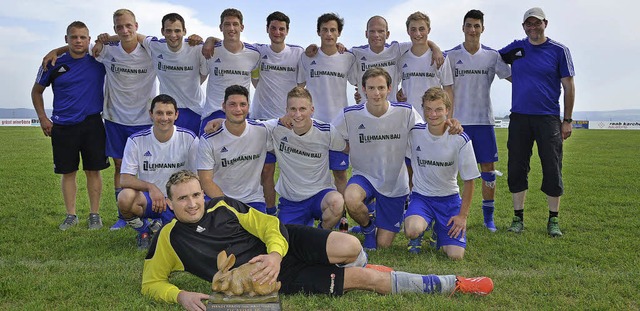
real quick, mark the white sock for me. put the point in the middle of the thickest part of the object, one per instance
(361, 261)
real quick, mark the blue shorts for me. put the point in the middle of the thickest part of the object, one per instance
(188, 119)
(218, 114)
(440, 209)
(261, 206)
(303, 212)
(271, 158)
(117, 135)
(388, 210)
(338, 161)
(484, 142)
(166, 216)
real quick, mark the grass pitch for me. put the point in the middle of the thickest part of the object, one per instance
(594, 266)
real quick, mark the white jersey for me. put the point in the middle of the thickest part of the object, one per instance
(278, 74)
(326, 79)
(378, 145)
(387, 59)
(130, 84)
(304, 159)
(226, 69)
(418, 75)
(436, 161)
(236, 161)
(179, 72)
(472, 78)
(154, 161)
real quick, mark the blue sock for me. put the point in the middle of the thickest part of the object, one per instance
(487, 209)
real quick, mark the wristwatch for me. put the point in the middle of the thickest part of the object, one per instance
(567, 120)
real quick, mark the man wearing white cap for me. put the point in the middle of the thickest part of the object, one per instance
(539, 65)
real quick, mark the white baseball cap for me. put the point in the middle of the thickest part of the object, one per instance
(534, 12)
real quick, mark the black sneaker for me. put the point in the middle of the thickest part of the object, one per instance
(69, 221)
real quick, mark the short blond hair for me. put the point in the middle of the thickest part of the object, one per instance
(434, 94)
(121, 12)
(418, 16)
(180, 177)
(300, 92)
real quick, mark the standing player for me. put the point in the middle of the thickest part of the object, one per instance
(377, 132)
(474, 67)
(150, 157)
(415, 66)
(305, 186)
(278, 73)
(231, 64)
(75, 127)
(326, 76)
(230, 159)
(436, 158)
(539, 66)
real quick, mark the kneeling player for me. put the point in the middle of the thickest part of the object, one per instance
(436, 158)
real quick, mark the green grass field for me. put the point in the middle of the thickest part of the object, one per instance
(594, 266)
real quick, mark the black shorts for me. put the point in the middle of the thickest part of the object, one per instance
(306, 268)
(546, 131)
(86, 138)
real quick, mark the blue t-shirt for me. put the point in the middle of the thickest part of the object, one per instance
(536, 71)
(77, 88)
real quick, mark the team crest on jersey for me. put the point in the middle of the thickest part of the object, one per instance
(265, 57)
(343, 163)
(217, 61)
(284, 139)
(160, 56)
(459, 62)
(313, 62)
(405, 66)
(418, 149)
(224, 149)
(519, 53)
(147, 154)
(361, 127)
(363, 58)
(113, 60)
(62, 69)
(200, 229)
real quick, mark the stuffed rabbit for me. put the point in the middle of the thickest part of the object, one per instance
(237, 281)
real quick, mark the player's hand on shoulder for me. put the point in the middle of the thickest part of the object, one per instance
(213, 125)
(287, 121)
(357, 96)
(400, 96)
(50, 58)
(103, 38)
(454, 126)
(208, 47)
(194, 40)
(311, 50)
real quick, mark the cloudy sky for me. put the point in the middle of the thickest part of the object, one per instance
(591, 29)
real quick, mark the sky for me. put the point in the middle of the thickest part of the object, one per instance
(591, 29)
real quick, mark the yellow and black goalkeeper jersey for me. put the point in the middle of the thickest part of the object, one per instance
(227, 225)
